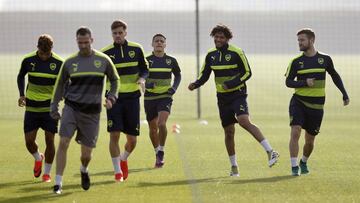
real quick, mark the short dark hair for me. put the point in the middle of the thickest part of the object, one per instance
(158, 35)
(118, 23)
(221, 28)
(45, 43)
(308, 32)
(83, 30)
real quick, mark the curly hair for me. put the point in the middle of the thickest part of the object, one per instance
(223, 29)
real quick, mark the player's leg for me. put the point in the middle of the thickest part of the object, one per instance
(227, 121)
(307, 150)
(50, 126)
(67, 129)
(49, 155)
(86, 153)
(114, 126)
(229, 132)
(32, 147)
(294, 148)
(152, 119)
(31, 126)
(131, 118)
(61, 157)
(240, 108)
(163, 116)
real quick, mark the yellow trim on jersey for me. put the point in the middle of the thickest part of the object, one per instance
(311, 70)
(160, 69)
(42, 75)
(86, 74)
(128, 64)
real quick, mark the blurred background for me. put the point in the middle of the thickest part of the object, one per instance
(264, 29)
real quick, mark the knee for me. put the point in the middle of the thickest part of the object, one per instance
(161, 124)
(132, 141)
(244, 122)
(49, 141)
(229, 133)
(86, 157)
(64, 143)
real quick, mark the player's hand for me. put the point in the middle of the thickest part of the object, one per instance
(191, 86)
(310, 82)
(22, 101)
(55, 115)
(141, 82)
(108, 104)
(346, 102)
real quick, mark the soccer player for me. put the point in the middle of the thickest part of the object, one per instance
(81, 81)
(306, 105)
(132, 68)
(158, 94)
(42, 67)
(231, 70)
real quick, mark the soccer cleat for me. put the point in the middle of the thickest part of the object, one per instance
(124, 169)
(85, 181)
(303, 167)
(295, 171)
(234, 171)
(159, 159)
(38, 166)
(119, 177)
(46, 178)
(57, 189)
(273, 157)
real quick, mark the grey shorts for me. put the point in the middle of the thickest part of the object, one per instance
(86, 125)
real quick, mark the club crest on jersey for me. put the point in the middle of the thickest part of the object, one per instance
(301, 63)
(97, 63)
(32, 66)
(52, 66)
(213, 58)
(227, 57)
(320, 60)
(132, 54)
(74, 67)
(168, 61)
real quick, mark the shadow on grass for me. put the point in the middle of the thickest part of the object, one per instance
(19, 183)
(180, 182)
(111, 173)
(262, 180)
(48, 197)
(65, 187)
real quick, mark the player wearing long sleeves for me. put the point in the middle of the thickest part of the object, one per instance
(231, 70)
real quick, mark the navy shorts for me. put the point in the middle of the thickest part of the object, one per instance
(36, 120)
(124, 116)
(153, 107)
(229, 110)
(309, 119)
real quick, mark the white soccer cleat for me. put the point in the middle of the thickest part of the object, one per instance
(273, 157)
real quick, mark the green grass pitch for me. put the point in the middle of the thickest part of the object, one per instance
(197, 166)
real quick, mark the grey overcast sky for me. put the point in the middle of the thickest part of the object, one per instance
(176, 5)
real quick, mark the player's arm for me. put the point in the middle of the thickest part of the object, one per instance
(204, 75)
(58, 92)
(21, 84)
(291, 75)
(243, 64)
(337, 81)
(177, 78)
(143, 69)
(113, 77)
